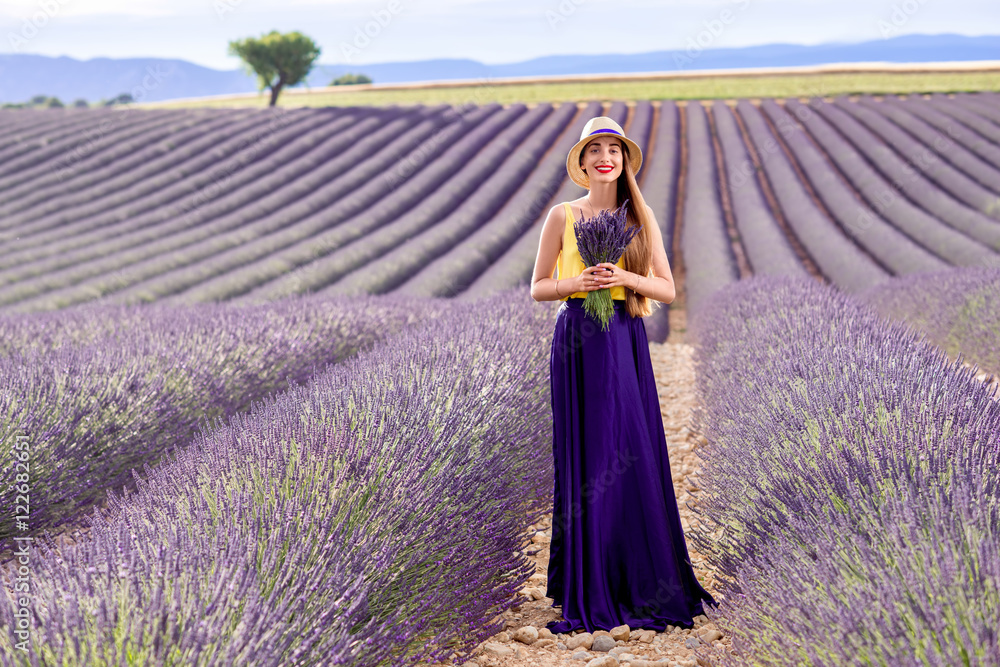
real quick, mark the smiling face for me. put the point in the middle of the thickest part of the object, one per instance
(602, 159)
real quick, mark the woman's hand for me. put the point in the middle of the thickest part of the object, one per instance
(591, 279)
(615, 276)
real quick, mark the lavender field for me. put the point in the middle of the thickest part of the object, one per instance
(371, 515)
(108, 389)
(284, 368)
(374, 513)
(187, 206)
(852, 494)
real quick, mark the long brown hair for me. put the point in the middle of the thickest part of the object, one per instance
(639, 253)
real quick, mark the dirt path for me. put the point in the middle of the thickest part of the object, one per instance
(673, 366)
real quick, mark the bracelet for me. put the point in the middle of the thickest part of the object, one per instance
(637, 279)
(557, 289)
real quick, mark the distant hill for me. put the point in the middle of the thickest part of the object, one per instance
(24, 76)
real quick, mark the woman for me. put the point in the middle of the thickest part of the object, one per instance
(618, 554)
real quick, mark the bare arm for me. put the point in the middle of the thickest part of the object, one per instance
(543, 286)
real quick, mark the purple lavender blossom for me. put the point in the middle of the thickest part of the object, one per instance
(603, 238)
(850, 493)
(98, 391)
(373, 516)
(957, 309)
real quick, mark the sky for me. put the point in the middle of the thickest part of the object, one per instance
(490, 31)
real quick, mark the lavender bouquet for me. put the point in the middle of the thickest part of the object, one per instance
(603, 238)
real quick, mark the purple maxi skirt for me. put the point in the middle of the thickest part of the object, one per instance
(618, 553)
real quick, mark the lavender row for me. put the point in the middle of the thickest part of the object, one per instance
(451, 272)
(85, 182)
(182, 195)
(897, 252)
(949, 242)
(838, 258)
(709, 263)
(639, 126)
(514, 267)
(969, 130)
(661, 172)
(957, 309)
(910, 180)
(950, 180)
(946, 141)
(766, 244)
(115, 387)
(233, 212)
(660, 179)
(850, 495)
(247, 265)
(345, 251)
(375, 516)
(983, 127)
(983, 105)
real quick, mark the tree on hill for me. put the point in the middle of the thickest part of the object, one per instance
(278, 60)
(350, 79)
(36, 101)
(124, 98)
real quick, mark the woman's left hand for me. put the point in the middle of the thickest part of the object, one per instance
(617, 276)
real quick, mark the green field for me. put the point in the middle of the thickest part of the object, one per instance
(708, 87)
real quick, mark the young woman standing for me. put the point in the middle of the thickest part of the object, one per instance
(618, 554)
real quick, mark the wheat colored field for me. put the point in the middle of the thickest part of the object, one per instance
(705, 87)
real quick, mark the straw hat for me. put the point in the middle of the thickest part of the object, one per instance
(602, 126)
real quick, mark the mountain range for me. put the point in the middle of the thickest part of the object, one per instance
(23, 76)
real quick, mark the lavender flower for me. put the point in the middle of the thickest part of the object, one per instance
(603, 238)
(958, 309)
(102, 390)
(849, 500)
(371, 516)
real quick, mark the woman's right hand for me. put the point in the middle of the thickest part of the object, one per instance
(591, 279)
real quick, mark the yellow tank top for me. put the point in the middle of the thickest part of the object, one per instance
(570, 264)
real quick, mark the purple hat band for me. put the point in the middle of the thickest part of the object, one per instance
(607, 130)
